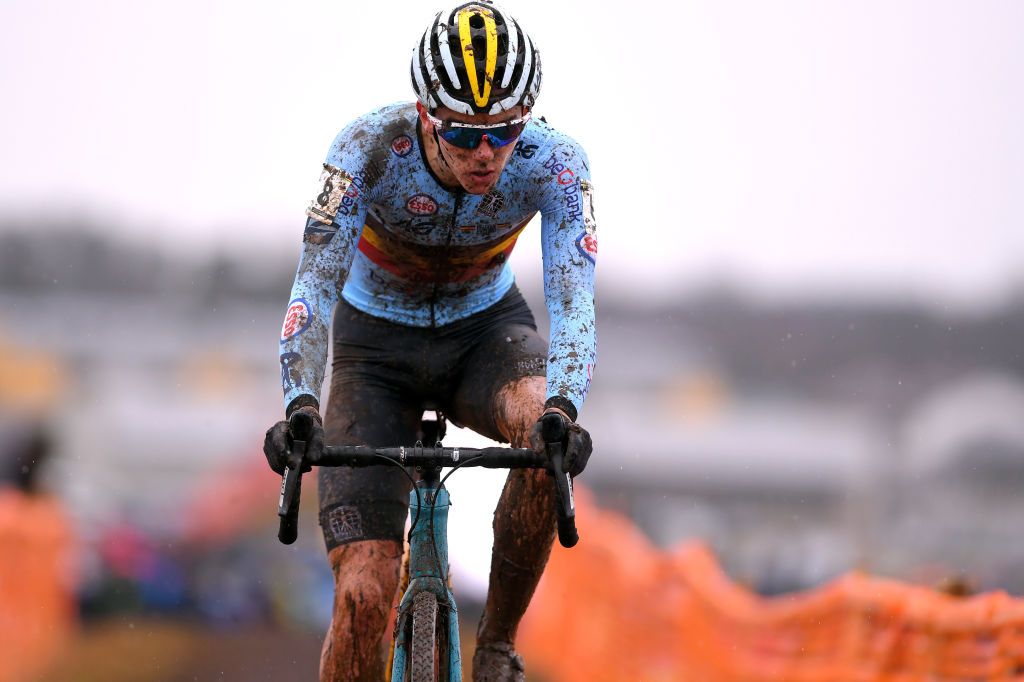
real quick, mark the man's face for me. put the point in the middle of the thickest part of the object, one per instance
(477, 170)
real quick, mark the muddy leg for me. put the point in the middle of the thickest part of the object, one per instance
(524, 521)
(365, 580)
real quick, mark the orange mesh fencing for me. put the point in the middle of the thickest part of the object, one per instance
(36, 598)
(616, 608)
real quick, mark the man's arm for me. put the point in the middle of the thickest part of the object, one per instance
(569, 242)
(334, 225)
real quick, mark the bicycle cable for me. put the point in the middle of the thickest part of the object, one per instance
(419, 500)
(440, 486)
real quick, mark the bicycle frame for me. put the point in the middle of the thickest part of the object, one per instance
(428, 503)
(429, 506)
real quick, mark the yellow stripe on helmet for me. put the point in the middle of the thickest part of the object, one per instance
(465, 35)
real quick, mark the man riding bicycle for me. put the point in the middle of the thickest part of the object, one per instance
(407, 242)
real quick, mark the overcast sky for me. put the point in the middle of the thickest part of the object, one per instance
(869, 147)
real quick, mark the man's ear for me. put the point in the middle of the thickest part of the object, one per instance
(422, 111)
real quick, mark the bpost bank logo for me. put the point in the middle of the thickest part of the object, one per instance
(402, 145)
(349, 200)
(565, 177)
(296, 320)
(421, 204)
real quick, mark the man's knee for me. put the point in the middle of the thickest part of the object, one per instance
(365, 580)
(518, 405)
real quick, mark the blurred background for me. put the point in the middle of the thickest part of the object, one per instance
(810, 301)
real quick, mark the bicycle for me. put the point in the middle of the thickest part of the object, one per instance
(426, 635)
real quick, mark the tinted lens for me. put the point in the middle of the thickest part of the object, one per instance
(499, 137)
(466, 138)
(469, 138)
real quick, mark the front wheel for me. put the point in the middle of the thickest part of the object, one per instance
(426, 664)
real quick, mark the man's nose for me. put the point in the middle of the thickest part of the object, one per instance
(484, 150)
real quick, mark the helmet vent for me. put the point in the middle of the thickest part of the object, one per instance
(475, 58)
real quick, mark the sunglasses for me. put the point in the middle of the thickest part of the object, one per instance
(468, 135)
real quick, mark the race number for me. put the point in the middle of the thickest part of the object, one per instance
(588, 207)
(334, 183)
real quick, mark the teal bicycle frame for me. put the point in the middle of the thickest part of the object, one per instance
(428, 552)
(428, 503)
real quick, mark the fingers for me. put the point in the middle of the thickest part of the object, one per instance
(578, 449)
(536, 439)
(276, 446)
(314, 448)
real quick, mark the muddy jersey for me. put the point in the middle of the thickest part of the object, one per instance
(385, 234)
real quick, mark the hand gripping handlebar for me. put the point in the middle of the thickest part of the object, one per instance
(553, 431)
(301, 427)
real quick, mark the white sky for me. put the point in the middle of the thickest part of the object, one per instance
(870, 147)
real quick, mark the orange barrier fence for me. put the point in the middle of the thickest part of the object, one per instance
(36, 602)
(617, 608)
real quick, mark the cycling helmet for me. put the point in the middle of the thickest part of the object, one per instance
(475, 59)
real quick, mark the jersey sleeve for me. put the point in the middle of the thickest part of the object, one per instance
(569, 242)
(334, 224)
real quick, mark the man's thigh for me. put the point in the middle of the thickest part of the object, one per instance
(367, 503)
(510, 361)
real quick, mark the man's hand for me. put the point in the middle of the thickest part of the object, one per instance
(577, 443)
(277, 445)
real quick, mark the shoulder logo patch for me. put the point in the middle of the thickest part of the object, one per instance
(402, 145)
(586, 244)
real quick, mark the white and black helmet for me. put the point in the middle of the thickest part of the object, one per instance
(475, 59)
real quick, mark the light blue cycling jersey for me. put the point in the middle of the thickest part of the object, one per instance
(386, 234)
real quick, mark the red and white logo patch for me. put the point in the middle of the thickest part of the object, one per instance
(296, 320)
(586, 244)
(421, 204)
(402, 145)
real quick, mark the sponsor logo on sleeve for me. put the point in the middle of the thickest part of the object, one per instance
(350, 199)
(421, 204)
(402, 145)
(569, 186)
(334, 183)
(296, 320)
(291, 371)
(586, 244)
(563, 175)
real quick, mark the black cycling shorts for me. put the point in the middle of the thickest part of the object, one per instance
(384, 375)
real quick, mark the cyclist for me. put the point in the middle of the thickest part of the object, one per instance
(407, 242)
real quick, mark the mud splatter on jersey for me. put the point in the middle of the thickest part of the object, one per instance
(386, 235)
